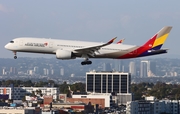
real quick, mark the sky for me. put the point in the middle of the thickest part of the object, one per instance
(89, 20)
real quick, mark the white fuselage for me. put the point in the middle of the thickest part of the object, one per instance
(50, 46)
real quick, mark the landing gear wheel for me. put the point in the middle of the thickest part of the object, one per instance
(15, 57)
(83, 63)
(86, 62)
(89, 62)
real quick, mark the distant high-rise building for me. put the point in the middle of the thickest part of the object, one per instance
(0, 71)
(46, 71)
(62, 71)
(107, 67)
(132, 68)
(175, 74)
(152, 67)
(4, 71)
(121, 66)
(52, 71)
(36, 70)
(11, 70)
(31, 72)
(14, 71)
(116, 65)
(144, 69)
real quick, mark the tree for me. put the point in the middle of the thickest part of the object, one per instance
(39, 92)
(64, 88)
(10, 101)
(33, 94)
(24, 99)
(78, 87)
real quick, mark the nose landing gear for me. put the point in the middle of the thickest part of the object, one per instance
(15, 56)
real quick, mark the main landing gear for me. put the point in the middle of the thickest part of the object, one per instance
(15, 56)
(86, 62)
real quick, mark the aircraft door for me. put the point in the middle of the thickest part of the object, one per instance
(51, 45)
(21, 43)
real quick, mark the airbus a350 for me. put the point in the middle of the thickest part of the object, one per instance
(69, 49)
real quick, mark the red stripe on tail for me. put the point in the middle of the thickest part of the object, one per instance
(147, 46)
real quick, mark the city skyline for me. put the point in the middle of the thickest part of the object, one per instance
(53, 67)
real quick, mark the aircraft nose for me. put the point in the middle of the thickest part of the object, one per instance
(6, 46)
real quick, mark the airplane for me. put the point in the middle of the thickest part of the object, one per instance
(69, 49)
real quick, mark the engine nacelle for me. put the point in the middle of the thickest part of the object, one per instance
(64, 54)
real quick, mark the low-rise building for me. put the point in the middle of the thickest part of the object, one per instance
(6, 91)
(104, 100)
(17, 93)
(153, 107)
(20, 110)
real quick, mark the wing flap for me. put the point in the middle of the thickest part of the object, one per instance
(94, 48)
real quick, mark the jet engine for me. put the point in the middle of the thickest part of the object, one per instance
(64, 54)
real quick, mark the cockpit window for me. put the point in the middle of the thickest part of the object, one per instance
(11, 41)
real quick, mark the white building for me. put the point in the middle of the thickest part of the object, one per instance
(20, 110)
(138, 107)
(17, 93)
(6, 91)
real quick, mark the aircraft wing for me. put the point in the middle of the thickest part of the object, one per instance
(91, 50)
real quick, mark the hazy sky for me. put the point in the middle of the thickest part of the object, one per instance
(89, 20)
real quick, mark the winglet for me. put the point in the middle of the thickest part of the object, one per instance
(112, 40)
(121, 41)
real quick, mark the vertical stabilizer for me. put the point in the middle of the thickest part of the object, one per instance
(161, 37)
